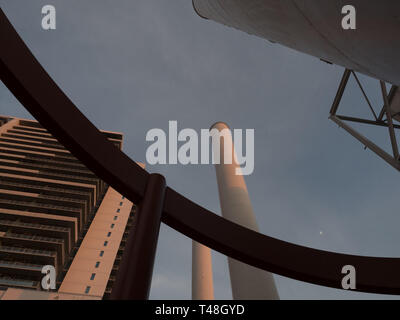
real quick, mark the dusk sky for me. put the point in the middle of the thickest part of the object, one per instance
(131, 66)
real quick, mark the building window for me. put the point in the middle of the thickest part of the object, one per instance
(87, 289)
(112, 225)
(109, 234)
(120, 203)
(118, 210)
(123, 197)
(115, 217)
(105, 243)
(101, 253)
(97, 264)
(92, 276)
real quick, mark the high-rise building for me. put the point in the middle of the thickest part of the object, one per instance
(56, 212)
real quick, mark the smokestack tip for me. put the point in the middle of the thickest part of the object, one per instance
(219, 125)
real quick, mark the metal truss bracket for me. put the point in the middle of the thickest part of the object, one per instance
(378, 120)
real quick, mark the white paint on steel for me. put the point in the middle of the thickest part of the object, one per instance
(314, 27)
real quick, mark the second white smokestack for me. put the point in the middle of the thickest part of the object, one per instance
(202, 278)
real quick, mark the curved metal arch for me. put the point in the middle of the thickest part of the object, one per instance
(34, 88)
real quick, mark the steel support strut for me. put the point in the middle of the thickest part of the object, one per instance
(135, 272)
(392, 134)
(339, 119)
(366, 142)
(339, 94)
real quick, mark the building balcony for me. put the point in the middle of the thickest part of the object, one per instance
(36, 229)
(18, 283)
(35, 252)
(26, 270)
(66, 194)
(38, 165)
(11, 239)
(41, 208)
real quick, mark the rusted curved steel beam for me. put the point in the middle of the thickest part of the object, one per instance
(33, 87)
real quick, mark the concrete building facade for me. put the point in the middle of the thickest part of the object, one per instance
(54, 211)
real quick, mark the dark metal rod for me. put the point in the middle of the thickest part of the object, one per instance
(390, 122)
(365, 95)
(340, 91)
(135, 272)
(367, 143)
(392, 92)
(366, 121)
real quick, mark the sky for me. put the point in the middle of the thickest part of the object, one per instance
(131, 66)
